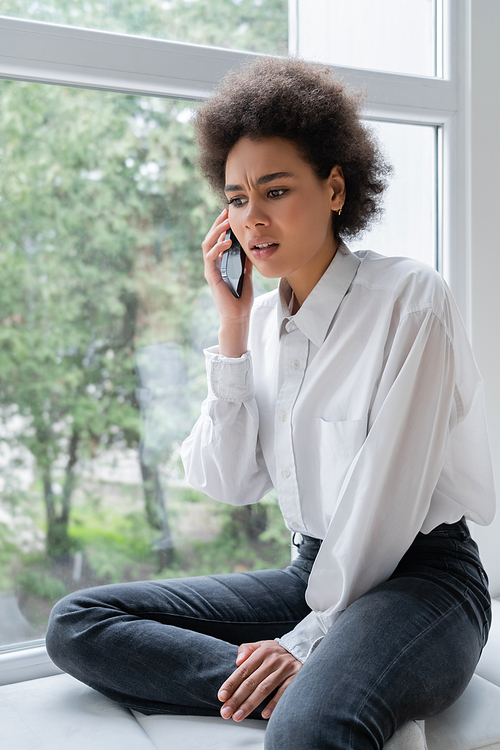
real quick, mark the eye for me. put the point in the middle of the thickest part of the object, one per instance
(276, 192)
(237, 201)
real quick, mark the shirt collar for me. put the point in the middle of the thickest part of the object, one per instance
(316, 314)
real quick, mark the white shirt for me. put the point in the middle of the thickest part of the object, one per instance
(364, 410)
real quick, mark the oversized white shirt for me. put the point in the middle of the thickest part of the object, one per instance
(364, 410)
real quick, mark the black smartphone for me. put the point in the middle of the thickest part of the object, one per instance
(232, 265)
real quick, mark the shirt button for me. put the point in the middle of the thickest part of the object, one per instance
(296, 525)
(283, 416)
(285, 472)
(296, 364)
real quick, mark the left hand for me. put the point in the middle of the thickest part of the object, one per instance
(262, 667)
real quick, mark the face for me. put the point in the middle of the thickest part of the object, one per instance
(281, 211)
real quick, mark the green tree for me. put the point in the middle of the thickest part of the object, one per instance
(101, 219)
(86, 220)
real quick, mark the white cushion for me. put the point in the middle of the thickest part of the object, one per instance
(411, 736)
(60, 713)
(194, 732)
(472, 722)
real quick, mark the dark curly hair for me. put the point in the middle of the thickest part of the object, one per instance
(306, 104)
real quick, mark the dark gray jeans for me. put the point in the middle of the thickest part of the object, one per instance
(405, 650)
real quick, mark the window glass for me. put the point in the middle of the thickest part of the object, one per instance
(104, 313)
(409, 224)
(399, 36)
(253, 25)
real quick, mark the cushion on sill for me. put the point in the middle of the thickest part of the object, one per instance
(60, 713)
(472, 722)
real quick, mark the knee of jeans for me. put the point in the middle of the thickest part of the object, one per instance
(317, 717)
(62, 627)
(294, 724)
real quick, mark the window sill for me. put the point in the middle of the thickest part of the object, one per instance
(26, 662)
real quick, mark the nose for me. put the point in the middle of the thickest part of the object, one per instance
(255, 214)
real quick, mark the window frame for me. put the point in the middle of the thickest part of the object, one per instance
(84, 58)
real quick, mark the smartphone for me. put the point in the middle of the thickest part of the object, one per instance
(232, 266)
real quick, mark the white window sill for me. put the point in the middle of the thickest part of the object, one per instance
(26, 662)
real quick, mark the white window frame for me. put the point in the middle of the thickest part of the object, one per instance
(70, 56)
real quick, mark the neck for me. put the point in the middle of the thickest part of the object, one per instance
(305, 279)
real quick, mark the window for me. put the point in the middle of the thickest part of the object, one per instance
(390, 35)
(250, 25)
(104, 315)
(99, 228)
(416, 103)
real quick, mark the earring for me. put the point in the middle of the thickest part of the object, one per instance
(340, 210)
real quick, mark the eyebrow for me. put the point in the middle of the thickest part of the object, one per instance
(261, 180)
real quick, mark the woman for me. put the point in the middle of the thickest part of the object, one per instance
(353, 391)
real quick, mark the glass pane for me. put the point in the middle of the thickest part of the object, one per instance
(251, 25)
(393, 35)
(409, 225)
(104, 313)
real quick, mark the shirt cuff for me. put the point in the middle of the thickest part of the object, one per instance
(229, 379)
(304, 638)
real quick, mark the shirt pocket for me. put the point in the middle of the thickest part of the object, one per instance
(339, 443)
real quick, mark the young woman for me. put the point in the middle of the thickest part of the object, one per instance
(353, 391)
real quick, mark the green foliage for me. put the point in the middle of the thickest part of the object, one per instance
(102, 214)
(40, 584)
(251, 537)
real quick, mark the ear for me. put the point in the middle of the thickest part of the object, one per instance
(336, 183)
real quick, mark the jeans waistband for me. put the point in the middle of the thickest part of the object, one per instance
(308, 546)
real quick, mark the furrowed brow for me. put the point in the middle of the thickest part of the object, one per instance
(264, 180)
(272, 177)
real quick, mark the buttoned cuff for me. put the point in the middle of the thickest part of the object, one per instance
(229, 379)
(304, 638)
(307, 635)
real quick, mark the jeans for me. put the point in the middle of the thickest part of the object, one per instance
(404, 650)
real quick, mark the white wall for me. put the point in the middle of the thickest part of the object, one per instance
(485, 240)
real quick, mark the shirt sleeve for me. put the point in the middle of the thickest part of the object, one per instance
(387, 491)
(222, 457)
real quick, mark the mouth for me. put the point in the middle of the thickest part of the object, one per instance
(262, 250)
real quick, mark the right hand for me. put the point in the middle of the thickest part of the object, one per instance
(234, 312)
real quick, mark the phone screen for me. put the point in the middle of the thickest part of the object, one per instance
(232, 265)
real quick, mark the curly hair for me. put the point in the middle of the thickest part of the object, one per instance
(306, 104)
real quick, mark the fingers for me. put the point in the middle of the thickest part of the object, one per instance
(213, 246)
(216, 235)
(246, 649)
(234, 681)
(255, 688)
(233, 311)
(267, 668)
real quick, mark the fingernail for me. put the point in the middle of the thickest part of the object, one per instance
(266, 713)
(238, 715)
(239, 658)
(226, 712)
(223, 695)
